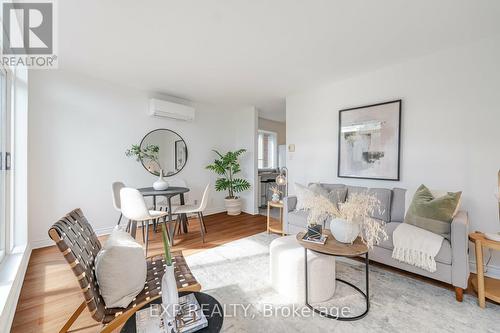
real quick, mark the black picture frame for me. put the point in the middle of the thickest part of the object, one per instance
(178, 150)
(339, 153)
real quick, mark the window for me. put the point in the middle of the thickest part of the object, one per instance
(5, 190)
(267, 150)
(3, 171)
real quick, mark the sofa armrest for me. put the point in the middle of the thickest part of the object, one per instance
(289, 203)
(460, 250)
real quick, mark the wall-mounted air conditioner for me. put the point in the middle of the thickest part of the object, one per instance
(161, 108)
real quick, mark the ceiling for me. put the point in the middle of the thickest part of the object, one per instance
(239, 52)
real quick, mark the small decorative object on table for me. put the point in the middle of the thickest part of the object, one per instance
(169, 294)
(276, 194)
(160, 184)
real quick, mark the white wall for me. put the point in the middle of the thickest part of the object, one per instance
(245, 133)
(79, 129)
(450, 126)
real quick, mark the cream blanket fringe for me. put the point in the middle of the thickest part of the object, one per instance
(416, 246)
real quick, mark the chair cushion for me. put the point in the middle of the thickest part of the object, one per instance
(443, 256)
(118, 283)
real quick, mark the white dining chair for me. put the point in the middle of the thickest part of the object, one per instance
(115, 192)
(192, 209)
(134, 208)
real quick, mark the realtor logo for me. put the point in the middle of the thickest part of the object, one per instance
(28, 34)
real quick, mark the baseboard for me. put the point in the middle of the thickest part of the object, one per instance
(9, 308)
(49, 242)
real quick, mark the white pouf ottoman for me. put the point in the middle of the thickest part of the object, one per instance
(287, 271)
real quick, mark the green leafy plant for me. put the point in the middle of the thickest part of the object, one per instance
(150, 153)
(227, 165)
(166, 245)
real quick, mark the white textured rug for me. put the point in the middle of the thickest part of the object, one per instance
(238, 273)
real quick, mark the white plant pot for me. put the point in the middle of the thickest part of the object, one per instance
(344, 231)
(169, 298)
(160, 184)
(233, 206)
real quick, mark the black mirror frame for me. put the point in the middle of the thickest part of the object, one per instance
(185, 144)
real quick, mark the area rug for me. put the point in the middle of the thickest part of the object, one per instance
(237, 275)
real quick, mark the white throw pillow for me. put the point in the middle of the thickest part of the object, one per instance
(120, 269)
(304, 196)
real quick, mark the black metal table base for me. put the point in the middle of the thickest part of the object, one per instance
(365, 295)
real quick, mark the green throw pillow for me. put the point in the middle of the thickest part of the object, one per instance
(433, 213)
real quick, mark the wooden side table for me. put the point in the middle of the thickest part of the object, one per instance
(486, 287)
(270, 228)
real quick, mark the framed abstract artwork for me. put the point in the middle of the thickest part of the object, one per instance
(369, 141)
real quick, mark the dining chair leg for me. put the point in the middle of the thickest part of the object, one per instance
(133, 229)
(203, 222)
(142, 228)
(127, 229)
(201, 228)
(177, 228)
(147, 235)
(119, 219)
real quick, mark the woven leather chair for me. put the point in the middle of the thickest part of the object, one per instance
(79, 245)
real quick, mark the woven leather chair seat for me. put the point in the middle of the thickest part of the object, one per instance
(79, 245)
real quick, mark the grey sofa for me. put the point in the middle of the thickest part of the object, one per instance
(452, 260)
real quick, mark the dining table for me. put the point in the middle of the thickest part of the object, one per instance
(168, 193)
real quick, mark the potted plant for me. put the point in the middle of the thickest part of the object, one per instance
(227, 166)
(149, 154)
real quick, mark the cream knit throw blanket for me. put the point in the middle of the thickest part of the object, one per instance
(416, 246)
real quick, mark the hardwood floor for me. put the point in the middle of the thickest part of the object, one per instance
(50, 291)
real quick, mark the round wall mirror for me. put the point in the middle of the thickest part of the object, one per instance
(168, 149)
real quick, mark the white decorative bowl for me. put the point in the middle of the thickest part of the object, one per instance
(493, 237)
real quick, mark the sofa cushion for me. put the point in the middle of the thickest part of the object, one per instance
(298, 218)
(384, 195)
(336, 194)
(443, 256)
(398, 205)
(304, 195)
(431, 213)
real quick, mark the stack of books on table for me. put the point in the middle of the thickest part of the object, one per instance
(190, 318)
(314, 237)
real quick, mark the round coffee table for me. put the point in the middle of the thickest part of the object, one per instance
(335, 248)
(211, 308)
